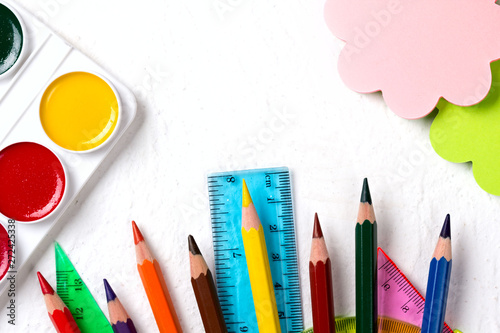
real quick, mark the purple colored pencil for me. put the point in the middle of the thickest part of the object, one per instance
(119, 318)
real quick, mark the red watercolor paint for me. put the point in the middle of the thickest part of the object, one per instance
(4, 252)
(32, 181)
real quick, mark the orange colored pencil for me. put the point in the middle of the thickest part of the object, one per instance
(155, 286)
(58, 312)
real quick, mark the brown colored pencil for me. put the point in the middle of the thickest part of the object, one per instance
(205, 292)
(320, 276)
(155, 286)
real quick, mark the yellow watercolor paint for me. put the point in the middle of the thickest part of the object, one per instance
(79, 111)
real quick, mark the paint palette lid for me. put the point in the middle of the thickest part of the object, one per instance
(80, 111)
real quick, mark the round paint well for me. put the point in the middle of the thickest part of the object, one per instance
(11, 39)
(4, 252)
(32, 182)
(80, 111)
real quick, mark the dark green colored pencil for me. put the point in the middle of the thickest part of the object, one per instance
(366, 265)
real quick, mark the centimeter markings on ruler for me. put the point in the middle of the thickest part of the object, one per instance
(271, 193)
(63, 285)
(397, 297)
(77, 297)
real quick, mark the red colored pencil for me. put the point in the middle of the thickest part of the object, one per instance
(320, 276)
(58, 312)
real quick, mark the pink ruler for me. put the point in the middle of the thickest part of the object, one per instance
(397, 297)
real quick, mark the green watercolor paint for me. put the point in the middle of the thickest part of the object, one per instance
(11, 39)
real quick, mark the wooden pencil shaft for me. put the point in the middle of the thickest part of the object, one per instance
(261, 280)
(320, 276)
(366, 213)
(443, 249)
(58, 312)
(53, 303)
(208, 303)
(205, 291)
(116, 312)
(436, 295)
(155, 286)
(124, 327)
(120, 320)
(63, 321)
(159, 297)
(438, 282)
(366, 277)
(259, 270)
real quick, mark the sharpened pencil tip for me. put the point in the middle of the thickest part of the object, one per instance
(317, 232)
(44, 285)
(446, 230)
(247, 199)
(193, 247)
(365, 193)
(137, 233)
(110, 294)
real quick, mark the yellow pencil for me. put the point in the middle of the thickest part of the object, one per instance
(258, 266)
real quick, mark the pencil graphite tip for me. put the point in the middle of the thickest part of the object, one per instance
(365, 193)
(137, 233)
(317, 232)
(446, 230)
(110, 294)
(44, 285)
(193, 247)
(247, 199)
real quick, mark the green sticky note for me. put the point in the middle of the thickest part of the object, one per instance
(472, 134)
(77, 297)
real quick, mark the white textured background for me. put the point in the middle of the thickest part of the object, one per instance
(211, 78)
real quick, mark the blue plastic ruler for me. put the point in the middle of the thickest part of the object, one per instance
(272, 196)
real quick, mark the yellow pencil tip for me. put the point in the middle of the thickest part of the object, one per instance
(247, 199)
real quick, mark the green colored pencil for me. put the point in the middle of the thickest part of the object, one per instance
(366, 265)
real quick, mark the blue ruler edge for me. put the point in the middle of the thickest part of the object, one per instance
(272, 196)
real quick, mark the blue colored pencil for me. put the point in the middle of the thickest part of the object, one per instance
(438, 283)
(120, 320)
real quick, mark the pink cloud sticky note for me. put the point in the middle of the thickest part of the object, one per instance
(416, 52)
